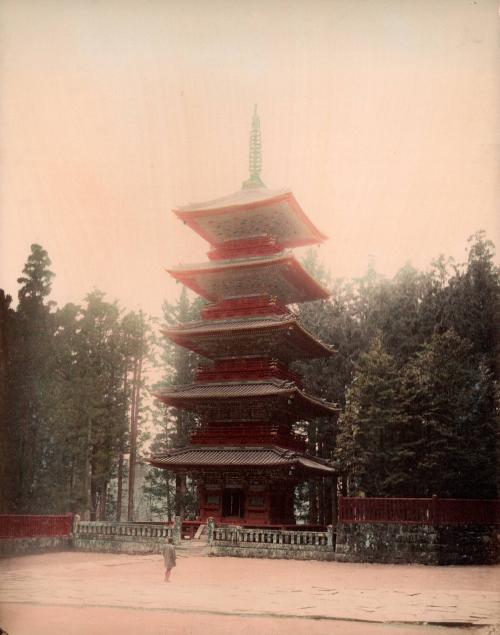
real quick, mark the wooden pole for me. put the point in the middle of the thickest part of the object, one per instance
(136, 385)
(334, 502)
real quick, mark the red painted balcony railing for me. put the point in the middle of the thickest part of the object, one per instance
(246, 369)
(244, 307)
(247, 435)
(31, 526)
(245, 247)
(419, 511)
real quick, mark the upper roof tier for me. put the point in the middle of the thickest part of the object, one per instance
(252, 212)
(279, 275)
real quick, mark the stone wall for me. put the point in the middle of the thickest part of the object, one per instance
(262, 550)
(98, 536)
(10, 547)
(118, 544)
(423, 544)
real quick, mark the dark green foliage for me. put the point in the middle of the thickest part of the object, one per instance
(7, 449)
(30, 366)
(370, 423)
(450, 411)
(422, 399)
(67, 401)
(171, 494)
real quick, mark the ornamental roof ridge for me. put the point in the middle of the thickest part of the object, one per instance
(242, 196)
(239, 319)
(220, 455)
(274, 381)
(229, 390)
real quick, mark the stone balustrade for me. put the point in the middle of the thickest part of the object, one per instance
(270, 543)
(104, 528)
(114, 537)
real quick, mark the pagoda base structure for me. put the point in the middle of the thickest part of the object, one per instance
(245, 485)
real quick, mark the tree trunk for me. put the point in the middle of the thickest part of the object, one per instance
(120, 455)
(93, 496)
(103, 498)
(169, 499)
(87, 476)
(136, 387)
(313, 502)
(132, 448)
(344, 485)
(312, 485)
(180, 495)
(334, 519)
(120, 487)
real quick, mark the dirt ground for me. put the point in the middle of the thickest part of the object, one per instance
(72, 593)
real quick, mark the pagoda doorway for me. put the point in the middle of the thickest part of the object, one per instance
(233, 503)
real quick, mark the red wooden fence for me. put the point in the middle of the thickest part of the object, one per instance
(419, 511)
(30, 526)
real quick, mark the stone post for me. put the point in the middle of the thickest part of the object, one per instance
(76, 521)
(329, 537)
(210, 529)
(177, 532)
(434, 509)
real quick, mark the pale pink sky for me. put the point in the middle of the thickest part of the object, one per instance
(382, 116)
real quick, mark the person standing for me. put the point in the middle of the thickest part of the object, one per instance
(169, 557)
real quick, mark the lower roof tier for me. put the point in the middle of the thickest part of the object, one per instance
(250, 400)
(279, 275)
(203, 457)
(273, 336)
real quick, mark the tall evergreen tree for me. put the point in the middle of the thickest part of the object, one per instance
(176, 425)
(29, 374)
(103, 403)
(370, 426)
(451, 396)
(6, 427)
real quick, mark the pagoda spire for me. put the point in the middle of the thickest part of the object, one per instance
(255, 154)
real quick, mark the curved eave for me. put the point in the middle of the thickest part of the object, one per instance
(240, 457)
(188, 396)
(294, 273)
(191, 215)
(186, 335)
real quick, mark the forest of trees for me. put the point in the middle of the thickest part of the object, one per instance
(415, 375)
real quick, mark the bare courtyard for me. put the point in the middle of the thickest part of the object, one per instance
(73, 593)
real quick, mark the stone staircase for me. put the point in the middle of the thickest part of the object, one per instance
(197, 547)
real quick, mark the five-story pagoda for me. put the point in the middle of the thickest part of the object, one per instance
(245, 457)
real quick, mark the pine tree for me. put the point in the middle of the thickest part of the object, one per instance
(29, 375)
(370, 426)
(324, 377)
(135, 347)
(103, 402)
(451, 408)
(176, 425)
(6, 428)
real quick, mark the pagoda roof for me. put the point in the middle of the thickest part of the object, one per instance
(197, 397)
(280, 275)
(280, 336)
(230, 457)
(250, 212)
